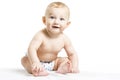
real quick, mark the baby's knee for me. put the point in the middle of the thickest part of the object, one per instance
(26, 64)
(24, 60)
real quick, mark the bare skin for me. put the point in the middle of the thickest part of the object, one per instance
(44, 53)
(62, 65)
(48, 42)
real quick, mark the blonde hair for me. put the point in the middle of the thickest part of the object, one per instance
(57, 5)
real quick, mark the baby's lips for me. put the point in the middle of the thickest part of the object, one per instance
(55, 26)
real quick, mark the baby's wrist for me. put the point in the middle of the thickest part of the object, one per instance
(35, 64)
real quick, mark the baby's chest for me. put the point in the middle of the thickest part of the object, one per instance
(53, 45)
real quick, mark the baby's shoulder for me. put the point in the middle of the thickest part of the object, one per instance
(38, 34)
(65, 36)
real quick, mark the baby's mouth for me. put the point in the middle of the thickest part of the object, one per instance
(55, 27)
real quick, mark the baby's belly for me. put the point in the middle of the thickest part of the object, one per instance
(47, 56)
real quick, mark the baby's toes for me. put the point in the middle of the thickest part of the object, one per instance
(43, 73)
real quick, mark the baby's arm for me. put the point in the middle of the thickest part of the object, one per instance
(72, 55)
(32, 52)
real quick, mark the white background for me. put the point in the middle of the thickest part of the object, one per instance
(94, 31)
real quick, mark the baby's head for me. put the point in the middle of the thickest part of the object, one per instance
(56, 5)
(56, 17)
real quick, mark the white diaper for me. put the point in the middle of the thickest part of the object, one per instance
(48, 65)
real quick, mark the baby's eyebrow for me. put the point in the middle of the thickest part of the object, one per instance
(50, 13)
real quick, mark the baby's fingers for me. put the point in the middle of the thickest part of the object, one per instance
(35, 71)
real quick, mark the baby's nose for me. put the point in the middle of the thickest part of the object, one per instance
(56, 21)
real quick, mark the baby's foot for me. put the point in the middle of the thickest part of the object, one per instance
(43, 73)
(64, 68)
(40, 73)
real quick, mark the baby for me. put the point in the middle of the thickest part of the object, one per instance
(48, 42)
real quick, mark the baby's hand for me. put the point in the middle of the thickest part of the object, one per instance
(38, 70)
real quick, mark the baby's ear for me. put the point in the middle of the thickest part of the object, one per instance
(43, 19)
(68, 23)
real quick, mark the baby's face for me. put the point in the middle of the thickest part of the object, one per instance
(57, 20)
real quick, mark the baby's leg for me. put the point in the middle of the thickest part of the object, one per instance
(26, 64)
(63, 65)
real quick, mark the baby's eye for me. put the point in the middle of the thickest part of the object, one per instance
(62, 19)
(52, 17)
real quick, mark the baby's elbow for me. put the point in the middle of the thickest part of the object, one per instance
(71, 55)
(31, 49)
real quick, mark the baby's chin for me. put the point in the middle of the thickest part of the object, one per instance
(55, 31)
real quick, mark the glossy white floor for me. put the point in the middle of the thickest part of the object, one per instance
(21, 74)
